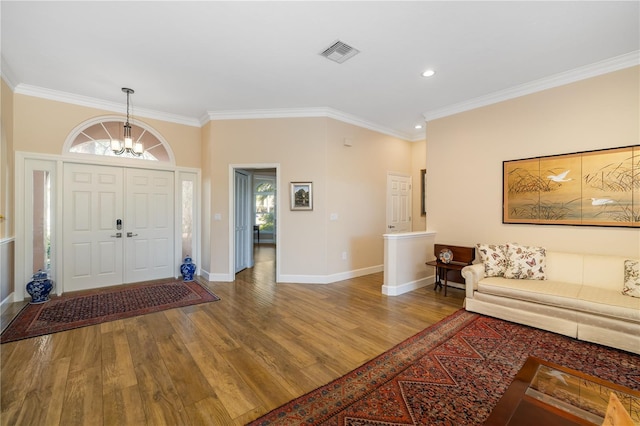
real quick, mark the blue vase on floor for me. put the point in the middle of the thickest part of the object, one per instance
(188, 268)
(40, 287)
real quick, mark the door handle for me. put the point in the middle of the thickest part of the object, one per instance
(391, 226)
(118, 235)
(131, 234)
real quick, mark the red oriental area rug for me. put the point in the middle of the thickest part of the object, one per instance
(452, 373)
(98, 306)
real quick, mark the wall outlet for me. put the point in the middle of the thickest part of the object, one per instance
(344, 255)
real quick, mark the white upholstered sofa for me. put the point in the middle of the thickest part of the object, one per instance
(581, 297)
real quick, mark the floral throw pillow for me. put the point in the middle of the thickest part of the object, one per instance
(494, 258)
(631, 278)
(526, 263)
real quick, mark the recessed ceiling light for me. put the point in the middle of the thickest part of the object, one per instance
(429, 73)
(418, 126)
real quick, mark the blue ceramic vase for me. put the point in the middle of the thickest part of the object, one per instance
(40, 287)
(188, 268)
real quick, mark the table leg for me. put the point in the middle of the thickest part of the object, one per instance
(438, 278)
(445, 282)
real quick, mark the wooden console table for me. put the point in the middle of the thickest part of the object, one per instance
(462, 256)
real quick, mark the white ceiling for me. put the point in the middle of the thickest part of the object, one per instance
(194, 61)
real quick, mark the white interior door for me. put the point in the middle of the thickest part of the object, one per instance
(93, 246)
(398, 203)
(118, 226)
(243, 228)
(148, 225)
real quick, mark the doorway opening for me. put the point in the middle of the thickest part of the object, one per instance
(254, 224)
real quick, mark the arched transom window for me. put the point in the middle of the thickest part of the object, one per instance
(95, 139)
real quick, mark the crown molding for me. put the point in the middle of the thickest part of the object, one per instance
(7, 74)
(303, 113)
(603, 67)
(593, 70)
(70, 98)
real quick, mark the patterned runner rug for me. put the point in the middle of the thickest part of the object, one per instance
(98, 306)
(452, 373)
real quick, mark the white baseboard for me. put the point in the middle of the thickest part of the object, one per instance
(210, 276)
(5, 303)
(407, 287)
(328, 279)
(301, 279)
(410, 286)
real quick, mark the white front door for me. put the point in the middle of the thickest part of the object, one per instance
(93, 247)
(118, 226)
(398, 203)
(148, 225)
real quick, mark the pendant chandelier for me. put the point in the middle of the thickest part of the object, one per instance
(127, 145)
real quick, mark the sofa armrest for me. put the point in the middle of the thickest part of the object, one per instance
(472, 274)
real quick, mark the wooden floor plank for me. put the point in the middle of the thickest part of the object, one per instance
(47, 385)
(123, 407)
(87, 348)
(208, 411)
(225, 362)
(236, 396)
(19, 385)
(59, 370)
(191, 387)
(160, 400)
(82, 403)
(117, 364)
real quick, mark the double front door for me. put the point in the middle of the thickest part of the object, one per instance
(118, 225)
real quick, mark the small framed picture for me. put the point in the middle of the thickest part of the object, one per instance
(301, 196)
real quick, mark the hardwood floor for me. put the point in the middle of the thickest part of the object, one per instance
(222, 363)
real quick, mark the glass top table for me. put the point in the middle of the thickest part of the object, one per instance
(560, 396)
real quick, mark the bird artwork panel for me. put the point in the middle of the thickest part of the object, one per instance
(522, 189)
(598, 188)
(562, 202)
(608, 187)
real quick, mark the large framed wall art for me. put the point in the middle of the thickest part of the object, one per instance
(593, 188)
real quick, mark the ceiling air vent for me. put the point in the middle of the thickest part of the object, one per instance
(340, 52)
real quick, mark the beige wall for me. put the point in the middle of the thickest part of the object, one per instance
(466, 151)
(6, 161)
(298, 146)
(7, 222)
(349, 181)
(43, 125)
(356, 190)
(206, 154)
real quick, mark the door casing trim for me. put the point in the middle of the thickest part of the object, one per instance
(232, 225)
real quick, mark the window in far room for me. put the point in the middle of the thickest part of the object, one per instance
(264, 192)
